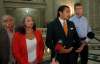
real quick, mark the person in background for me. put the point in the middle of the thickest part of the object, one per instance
(83, 28)
(6, 35)
(62, 38)
(27, 43)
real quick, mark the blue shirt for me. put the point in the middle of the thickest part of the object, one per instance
(82, 25)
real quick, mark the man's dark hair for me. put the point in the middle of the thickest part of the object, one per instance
(61, 9)
(77, 4)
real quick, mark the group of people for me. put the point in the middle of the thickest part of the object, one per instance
(22, 44)
(66, 38)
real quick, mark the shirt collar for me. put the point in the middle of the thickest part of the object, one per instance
(61, 21)
(78, 16)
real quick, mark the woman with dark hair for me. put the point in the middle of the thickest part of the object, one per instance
(27, 44)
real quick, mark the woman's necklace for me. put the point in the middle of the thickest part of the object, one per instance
(29, 35)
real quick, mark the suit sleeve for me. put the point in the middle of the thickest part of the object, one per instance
(76, 38)
(49, 38)
(5, 46)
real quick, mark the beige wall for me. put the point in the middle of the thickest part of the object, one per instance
(2, 11)
(49, 11)
(70, 3)
(94, 15)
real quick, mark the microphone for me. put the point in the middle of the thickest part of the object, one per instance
(91, 35)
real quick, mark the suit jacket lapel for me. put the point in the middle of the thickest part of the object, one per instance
(60, 27)
(68, 27)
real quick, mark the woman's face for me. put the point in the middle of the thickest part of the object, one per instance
(28, 22)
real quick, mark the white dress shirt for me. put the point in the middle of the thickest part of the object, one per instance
(62, 21)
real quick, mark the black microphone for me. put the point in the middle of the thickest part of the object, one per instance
(91, 35)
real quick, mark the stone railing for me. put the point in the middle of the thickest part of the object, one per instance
(94, 51)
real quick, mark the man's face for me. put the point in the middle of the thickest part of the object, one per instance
(79, 10)
(65, 14)
(9, 22)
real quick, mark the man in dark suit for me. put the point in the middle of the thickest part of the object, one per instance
(4, 47)
(62, 37)
(6, 34)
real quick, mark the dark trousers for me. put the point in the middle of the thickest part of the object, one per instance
(70, 58)
(84, 55)
(53, 54)
(3, 61)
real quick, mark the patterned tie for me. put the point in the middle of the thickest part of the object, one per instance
(65, 27)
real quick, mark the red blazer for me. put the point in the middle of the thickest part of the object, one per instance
(19, 49)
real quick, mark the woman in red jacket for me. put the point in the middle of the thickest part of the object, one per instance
(27, 44)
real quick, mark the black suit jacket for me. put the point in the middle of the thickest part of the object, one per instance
(4, 46)
(55, 33)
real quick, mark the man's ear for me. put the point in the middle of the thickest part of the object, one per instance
(60, 13)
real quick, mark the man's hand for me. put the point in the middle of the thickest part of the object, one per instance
(63, 50)
(79, 50)
(81, 47)
(54, 61)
